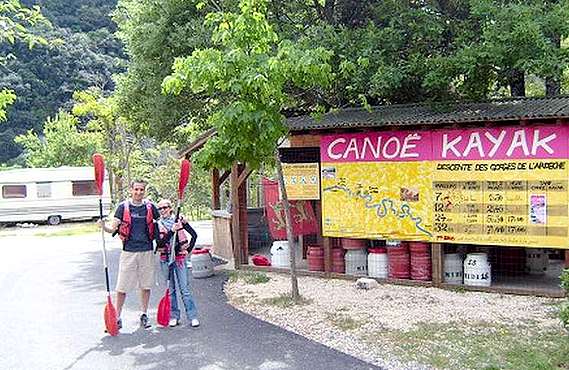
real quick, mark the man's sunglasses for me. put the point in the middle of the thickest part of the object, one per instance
(161, 208)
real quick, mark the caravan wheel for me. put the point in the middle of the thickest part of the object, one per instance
(54, 220)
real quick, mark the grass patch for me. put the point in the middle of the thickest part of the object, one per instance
(344, 322)
(479, 346)
(284, 301)
(249, 277)
(83, 229)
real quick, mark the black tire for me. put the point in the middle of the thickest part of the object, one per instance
(54, 220)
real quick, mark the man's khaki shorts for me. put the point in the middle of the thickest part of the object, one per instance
(136, 270)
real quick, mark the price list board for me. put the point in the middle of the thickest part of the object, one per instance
(521, 203)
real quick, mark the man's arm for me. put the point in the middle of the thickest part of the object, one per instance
(112, 226)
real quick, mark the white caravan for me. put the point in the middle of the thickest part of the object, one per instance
(50, 194)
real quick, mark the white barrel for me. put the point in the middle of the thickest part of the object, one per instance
(453, 272)
(537, 261)
(356, 262)
(477, 270)
(280, 256)
(202, 264)
(377, 265)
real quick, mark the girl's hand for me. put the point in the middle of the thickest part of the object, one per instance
(177, 226)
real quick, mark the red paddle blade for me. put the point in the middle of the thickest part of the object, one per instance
(99, 164)
(111, 318)
(163, 314)
(185, 167)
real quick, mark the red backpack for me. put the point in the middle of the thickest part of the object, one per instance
(126, 223)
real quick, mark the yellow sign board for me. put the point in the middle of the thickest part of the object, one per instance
(502, 203)
(302, 180)
(499, 186)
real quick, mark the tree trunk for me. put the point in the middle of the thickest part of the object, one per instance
(518, 83)
(552, 86)
(553, 83)
(289, 236)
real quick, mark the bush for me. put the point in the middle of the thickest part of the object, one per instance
(565, 280)
(564, 311)
(564, 315)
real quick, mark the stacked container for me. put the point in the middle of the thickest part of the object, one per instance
(398, 259)
(377, 263)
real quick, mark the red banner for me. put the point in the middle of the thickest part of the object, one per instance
(303, 219)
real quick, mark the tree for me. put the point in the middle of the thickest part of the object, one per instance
(15, 23)
(154, 34)
(82, 52)
(251, 71)
(120, 142)
(62, 143)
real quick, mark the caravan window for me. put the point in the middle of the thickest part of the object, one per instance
(44, 189)
(84, 188)
(14, 191)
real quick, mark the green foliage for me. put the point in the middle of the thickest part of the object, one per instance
(15, 21)
(477, 346)
(7, 97)
(82, 52)
(62, 143)
(285, 300)
(248, 69)
(564, 315)
(565, 280)
(564, 310)
(154, 33)
(249, 277)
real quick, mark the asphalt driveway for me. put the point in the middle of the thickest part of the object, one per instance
(52, 293)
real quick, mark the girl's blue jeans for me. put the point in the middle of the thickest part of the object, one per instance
(180, 277)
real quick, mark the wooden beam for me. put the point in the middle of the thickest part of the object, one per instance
(246, 171)
(243, 223)
(235, 221)
(327, 255)
(224, 177)
(215, 197)
(567, 259)
(437, 258)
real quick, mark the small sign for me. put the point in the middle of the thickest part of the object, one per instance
(302, 180)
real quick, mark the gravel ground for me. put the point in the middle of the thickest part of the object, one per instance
(339, 315)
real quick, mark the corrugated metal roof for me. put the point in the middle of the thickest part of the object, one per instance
(438, 114)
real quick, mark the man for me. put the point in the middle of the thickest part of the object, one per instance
(178, 270)
(135, 222)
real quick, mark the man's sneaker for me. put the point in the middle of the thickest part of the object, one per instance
(195, 323)
(174, 322)
(144, 321)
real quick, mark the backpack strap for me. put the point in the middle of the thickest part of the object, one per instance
(150, 220)
(126, 222)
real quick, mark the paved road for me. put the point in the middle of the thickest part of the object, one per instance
(52, 295)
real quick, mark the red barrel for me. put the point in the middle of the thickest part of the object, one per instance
(338, 263)
(398, 261)
(354, 243)
(420, 257)
(315, 256)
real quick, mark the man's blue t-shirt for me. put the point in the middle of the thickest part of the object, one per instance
(139, 239)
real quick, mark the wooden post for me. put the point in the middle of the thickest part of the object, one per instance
(437, 258)
(215, 197)
(567, 259)
(235, 214)
(327, 255)
(243, 224)
(318, 215)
